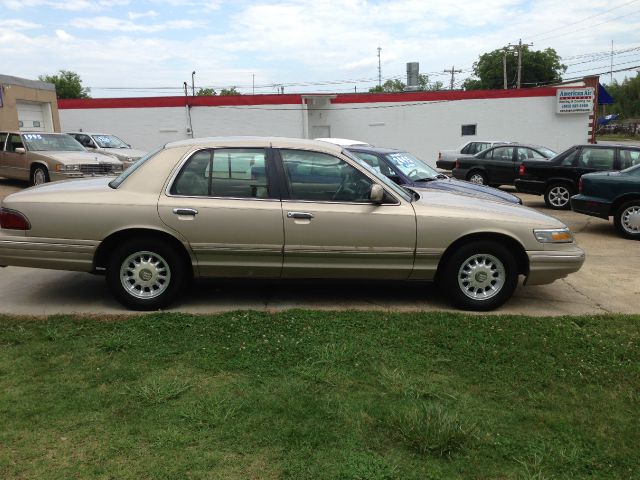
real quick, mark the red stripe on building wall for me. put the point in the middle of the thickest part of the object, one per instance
(275, 99)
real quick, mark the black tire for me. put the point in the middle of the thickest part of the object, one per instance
(494, 281)
(39, 175)
(156, 274)
(478, 177)
(627, 219)
(557, 196)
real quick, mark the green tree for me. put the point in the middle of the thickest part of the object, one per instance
(230, 91)
(626, 96)
(206, 92)
(68, 84)
(398, 86)
(539, 67)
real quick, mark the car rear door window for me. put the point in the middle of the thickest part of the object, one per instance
(629, 158)
(232, 173)
(596, 158)
(503, 153)
(316, 176)
(14, 141)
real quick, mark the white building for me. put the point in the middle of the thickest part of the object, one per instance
(420, 122)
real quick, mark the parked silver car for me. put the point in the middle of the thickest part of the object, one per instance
(43, 157)
(109, 145)
(277, 208)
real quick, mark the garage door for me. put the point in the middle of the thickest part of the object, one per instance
(32, 116)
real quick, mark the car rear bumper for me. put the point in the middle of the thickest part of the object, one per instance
(445, 164)
(545, 266)
(535, 187)
(57, 254)
(590, 206)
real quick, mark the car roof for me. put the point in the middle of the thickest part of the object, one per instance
(378, 150)
(91, 133)
(344, 142)
(19, 132)
(248, 141)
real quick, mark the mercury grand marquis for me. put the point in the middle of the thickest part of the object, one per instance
(277, 208)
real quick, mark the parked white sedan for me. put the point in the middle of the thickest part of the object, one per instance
(277, 208)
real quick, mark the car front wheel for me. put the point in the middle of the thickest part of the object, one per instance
(39, 175)
(480, 276)
(557, 196)
(627, 219)
(145, 274)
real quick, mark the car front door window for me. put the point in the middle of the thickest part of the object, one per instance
(315, 176)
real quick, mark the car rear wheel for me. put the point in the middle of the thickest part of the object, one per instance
(145, 274)
(627, 219)
(557, 196)
(39, 175)
(480, 276)
(477, 177)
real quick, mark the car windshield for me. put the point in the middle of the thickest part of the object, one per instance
(383, 179)
(55, 142)
(412, 167)
(115, 183)
(109, 141)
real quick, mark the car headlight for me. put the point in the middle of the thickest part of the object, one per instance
(553, 235)
(68, 168)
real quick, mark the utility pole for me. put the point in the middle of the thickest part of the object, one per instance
(193, 86)
(379, 69)
(504, 67)
(611, 71)
(453, 72)
(518, 49)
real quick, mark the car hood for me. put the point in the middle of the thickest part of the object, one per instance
(467, 188)
(79, 157)
(436, 203)
(124, 153)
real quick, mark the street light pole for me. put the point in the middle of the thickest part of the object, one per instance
(193, 85)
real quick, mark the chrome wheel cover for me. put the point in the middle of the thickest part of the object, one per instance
(39, 177)
(145, 275)
(481, 276)
(559, 196)
(477, 179)
(630, 219)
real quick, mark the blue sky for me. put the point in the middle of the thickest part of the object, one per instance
(150, 47)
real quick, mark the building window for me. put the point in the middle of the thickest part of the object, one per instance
(468, 130)
(36, 123)
(20, 124)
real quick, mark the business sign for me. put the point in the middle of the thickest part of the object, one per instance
(575, 100)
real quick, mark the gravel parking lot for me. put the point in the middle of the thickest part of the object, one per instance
(607, 283)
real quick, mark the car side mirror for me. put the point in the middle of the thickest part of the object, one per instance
(20, 150)
(377, 193)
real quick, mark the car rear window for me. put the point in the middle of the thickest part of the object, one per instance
(116, 182)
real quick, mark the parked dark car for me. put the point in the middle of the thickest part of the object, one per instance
(612, 194)
(498, 165)
(409, 171)
(557, 179)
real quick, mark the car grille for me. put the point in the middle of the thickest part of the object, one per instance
(101, 169)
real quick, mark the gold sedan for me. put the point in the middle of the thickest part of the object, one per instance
(277, 208)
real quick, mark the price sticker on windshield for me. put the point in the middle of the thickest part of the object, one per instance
(33, 136)
(403, 161)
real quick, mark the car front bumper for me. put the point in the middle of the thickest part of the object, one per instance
(590, 206)
(535, 187)
(545, 266)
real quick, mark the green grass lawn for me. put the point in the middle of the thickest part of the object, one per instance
(617, 137)
(315, 395)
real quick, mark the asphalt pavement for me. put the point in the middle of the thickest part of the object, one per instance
(607, 283)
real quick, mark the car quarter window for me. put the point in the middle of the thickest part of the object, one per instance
(316, 176)
(3, 137)
(628, 158)
(233, 173)
(467, 148)
(597, 158)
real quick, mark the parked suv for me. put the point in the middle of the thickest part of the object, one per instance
(498, 165)
(557, 179)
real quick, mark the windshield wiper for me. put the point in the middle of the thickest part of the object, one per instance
(425, 179)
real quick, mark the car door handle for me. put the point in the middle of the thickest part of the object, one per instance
(185, 211)
(305, 215)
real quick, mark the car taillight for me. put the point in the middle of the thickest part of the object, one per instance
(12, 220)
(580, 185)
(521, 170)
(457, 164)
